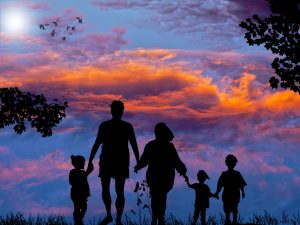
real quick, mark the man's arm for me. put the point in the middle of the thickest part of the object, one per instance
(96, 145)
(133, 143)
(219, 185)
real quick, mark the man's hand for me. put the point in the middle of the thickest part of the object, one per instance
(90, 168)
(186, 179)
(136, 169)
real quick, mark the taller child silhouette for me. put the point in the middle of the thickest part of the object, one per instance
(232, 183)
(114, 135)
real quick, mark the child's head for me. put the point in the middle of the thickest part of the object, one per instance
(202, 176)
(78, 161)
(231, 161)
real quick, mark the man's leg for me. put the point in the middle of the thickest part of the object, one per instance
(120, 201)
(105, 182)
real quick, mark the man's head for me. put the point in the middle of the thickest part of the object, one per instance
(117, 109)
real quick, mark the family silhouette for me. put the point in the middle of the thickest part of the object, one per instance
(161, 159)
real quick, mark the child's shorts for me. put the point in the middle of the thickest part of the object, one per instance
(230, 207)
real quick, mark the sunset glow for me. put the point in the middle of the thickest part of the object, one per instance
(184, 63)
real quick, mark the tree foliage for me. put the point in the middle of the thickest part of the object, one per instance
(17, 107)
(280, 33)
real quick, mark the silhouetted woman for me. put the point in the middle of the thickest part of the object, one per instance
(162, 159)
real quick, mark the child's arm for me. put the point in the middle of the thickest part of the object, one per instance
(219, 186)
(216, 196)
(187, 180)
(71, 177)
(243, 192)
(211, 195)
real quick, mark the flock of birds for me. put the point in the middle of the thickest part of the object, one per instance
(54, 25)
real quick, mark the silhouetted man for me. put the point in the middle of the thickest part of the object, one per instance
(114, 135)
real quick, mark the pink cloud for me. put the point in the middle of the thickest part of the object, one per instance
(4, 150)
(26, 3)
(48, 167)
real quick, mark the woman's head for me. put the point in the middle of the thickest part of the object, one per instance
(163, 132)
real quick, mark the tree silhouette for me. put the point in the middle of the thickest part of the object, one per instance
(280, 33)
(17, 107)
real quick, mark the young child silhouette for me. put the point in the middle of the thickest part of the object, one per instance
(203, 194)
(232, 183)
(80, 189)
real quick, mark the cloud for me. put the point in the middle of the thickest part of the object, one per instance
(217, 19)
(25, 3)
(29, 173)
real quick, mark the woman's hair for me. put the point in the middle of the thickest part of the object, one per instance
(163, 132)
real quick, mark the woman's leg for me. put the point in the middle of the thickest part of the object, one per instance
(154, 206)
(162, 204)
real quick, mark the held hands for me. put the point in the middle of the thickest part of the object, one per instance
(136, 168)
(186, 179)
(216, 196)
(90, 168)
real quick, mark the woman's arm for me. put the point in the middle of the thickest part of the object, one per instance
(144, 160)
(179, 165)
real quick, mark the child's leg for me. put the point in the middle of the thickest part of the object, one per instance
(235, 213)
(203, 216)
(76, 213)
(227, 218)
(83, 209)
(227, 213)
(196, 215)
(235, 218)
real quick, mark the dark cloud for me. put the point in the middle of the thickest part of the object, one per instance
(213, 19)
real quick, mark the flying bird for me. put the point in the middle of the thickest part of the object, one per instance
(55, 23)
(53, 33)
(42, 27)
(73, 28)
(79, 19)
(68, 27)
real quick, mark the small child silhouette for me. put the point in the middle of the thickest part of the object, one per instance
(203, 194)
(232, 183)
(80, 189)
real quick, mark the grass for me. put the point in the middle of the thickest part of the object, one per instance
(262, 219)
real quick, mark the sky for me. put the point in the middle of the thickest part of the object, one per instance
(184, 63)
